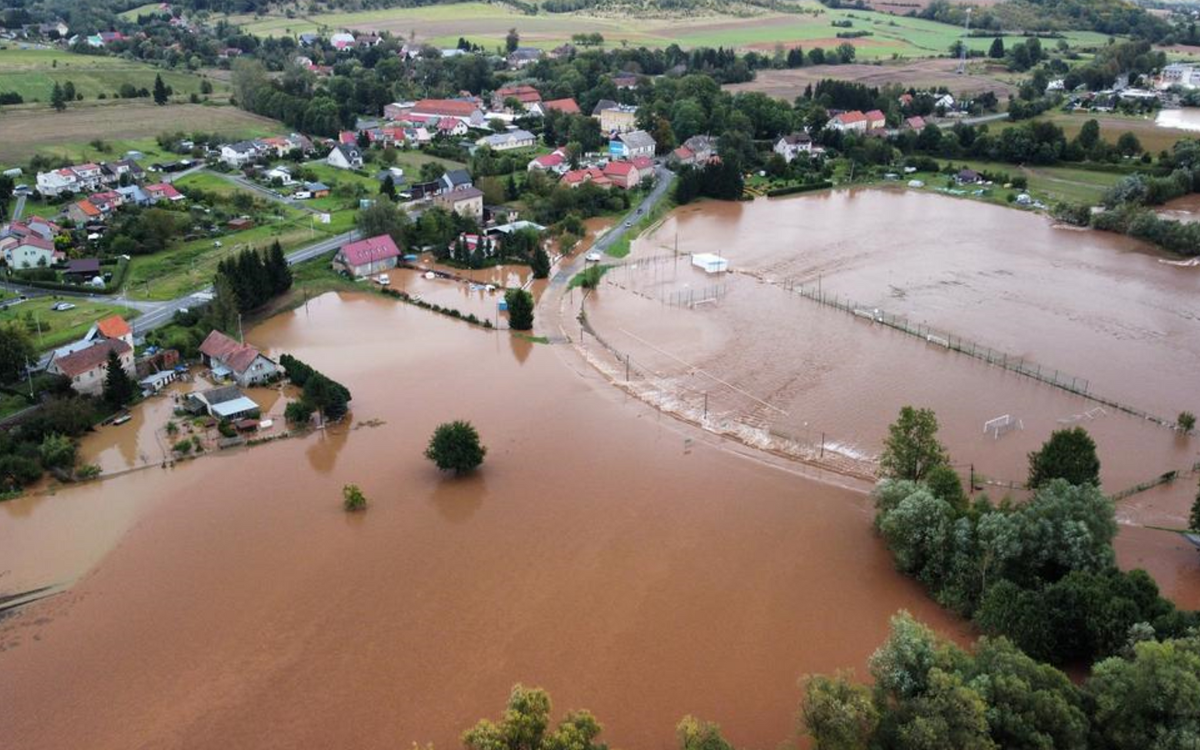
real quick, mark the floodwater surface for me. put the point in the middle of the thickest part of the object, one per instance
(1187, 118)
(605, 552)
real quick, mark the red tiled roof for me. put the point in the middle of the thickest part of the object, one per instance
(875, 115)
(569, 106)
(34, 241)
(916, 123)
(618, 169)
(236, 355)
(683, 153)
(113, 327)
(550, 160)
(88, 208)
(348, 137)
(847, 118)
(450, 107)
(164, 189)
(370, 250)
(642, 162)
(447, 123)
(523, 94)
(79, 362)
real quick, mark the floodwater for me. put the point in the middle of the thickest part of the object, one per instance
(751, 359)
(1187, 118)
(625, 562)
(1185, 209)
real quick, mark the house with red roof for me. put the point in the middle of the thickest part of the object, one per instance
(107, 201)
(463, 109)
(853, 121)
(683, 156)
(552, 162)
(87, 367)
(577, 177)
(622, 174)
(915, 123)
(112, 328)
(163, 191)
(366, 257)
(229, 358)
(524, 94)
(566, 106)
(450, 126)
(348, 138)
(29, 252)
(876, 120)
(81, 212)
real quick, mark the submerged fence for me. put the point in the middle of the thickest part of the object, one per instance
(1049, 375)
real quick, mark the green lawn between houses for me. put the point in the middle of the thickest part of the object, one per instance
(49, 328)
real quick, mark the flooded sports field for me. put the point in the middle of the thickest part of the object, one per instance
(605, 551)
(747, 355)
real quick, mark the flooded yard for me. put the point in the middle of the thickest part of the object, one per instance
(606, 552)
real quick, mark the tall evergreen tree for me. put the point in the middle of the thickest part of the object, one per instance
(277, 269)
(161, 94)
(58, 98)
(118, 386)
(222, 313)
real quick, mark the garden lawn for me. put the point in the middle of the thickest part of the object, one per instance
(50, 329)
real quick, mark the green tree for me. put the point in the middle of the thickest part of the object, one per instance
(388, 188)
(353, 499)
(57, 451)
(911, 449)
(996, 52)
(1151, 700)
(1194, 522)
(383, 217)
(69, 91)
(1089, 135)
(455, 447)
(1128, 144)
(1069, 454)
(540, 263)
(279, 274)
(512, 40)
(1186, 421)
(944, 483)
(58, 98)
(695, 734)
(298, 412)
(838, 714)
(520, 309)
(16, 351)
(222, 313)
(161, 95)
(118, 386)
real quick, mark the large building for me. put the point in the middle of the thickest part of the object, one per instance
(509, 140)
(632, 144)
(243, 363)
(617, 118)
(367, 257)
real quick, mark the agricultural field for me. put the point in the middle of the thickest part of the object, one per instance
(1049, 185)
(486, 24)
(1153, 138)
(32, 73)
(69, 134)
(50, 328)
(923, 74)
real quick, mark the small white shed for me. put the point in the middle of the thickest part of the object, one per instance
(710, 263)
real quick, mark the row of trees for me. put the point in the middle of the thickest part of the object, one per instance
(319, 393)
(255, 276)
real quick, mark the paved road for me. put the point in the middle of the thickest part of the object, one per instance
(20, 209)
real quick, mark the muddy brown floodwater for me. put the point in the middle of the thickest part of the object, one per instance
(751, 359)
(605, 552)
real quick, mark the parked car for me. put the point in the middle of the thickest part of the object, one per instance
(62, 306)
(592, 257)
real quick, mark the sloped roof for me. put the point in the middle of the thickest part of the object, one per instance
(79, 362)
(114, 326)
(569, 106)
(451, 107)
(637, 139)
(370, 250)
(618, 169)
(236, 355)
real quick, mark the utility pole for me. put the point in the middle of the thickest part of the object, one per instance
(241, 335)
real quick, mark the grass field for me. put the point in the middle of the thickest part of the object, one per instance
(51, 329)
(931, 74)
(1049, 185)
(487, 24)
(24, 132)
(32, 73)
(1152, 137)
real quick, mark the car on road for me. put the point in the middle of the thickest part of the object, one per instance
(592, 257)
(62, 307)
(628, 224)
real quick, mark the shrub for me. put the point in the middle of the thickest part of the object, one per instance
(183, 447)
(353, 499)
(1186, 421)
(455, 447)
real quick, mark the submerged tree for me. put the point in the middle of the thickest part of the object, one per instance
(520, 309)
(911, 449)
(353, 499)
(455, 447)
(1069, 454)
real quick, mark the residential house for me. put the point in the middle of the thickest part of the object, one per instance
(853, 121)
(112, 328)
(944, 102)
(524, 94)
(703, 146)
(578, 177)
(238, 155)
(344, 156)
(566, 106)
(968, 177)
(454, 179)
(163, 191)
(644, 165)
(244, 363)
(449, 127)
(107, 201)
(620, 118)
(341, 41)
(791, 146)
(397, 110)
(84, 212)
(552, 162)
(317, 189)
(1180, 74)
(81, 178)
(87, 366)
(82, 270)
(622, 174)
(509, 140)
(223, 402)
(467, 110)
(281, 173)
(367, 257)
(632, 144)
(876, 120)
(905, 100)
(29, 252)
(113, 172)
(625, 81)
(683, 157)
(915, 123)
(523, 57)
(134, 194)
(466, 201)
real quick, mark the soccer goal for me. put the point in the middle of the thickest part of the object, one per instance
(1002, 425)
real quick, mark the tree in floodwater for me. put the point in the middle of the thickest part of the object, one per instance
(1195, 520)
(118, 386)
(837, 713)
(520, 309)
(1069, 454)
(353, 499)
(455, 447)
(525, 725)
(540, 264)
(911, 449)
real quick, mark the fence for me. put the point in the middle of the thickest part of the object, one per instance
(1049, 375)
(693, 297)
(1161, 479)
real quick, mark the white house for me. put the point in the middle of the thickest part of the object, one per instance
(86, 366)
(367, 257)
(632, 144)
(29, 252)
(509, 140)
(345, 156)
(791, 146)
(242, 362)
(237, 155)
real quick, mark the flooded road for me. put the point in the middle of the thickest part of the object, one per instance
(626, 564)
(1185, 209)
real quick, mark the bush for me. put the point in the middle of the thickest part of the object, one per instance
(455, 447)
(353, 499)
(1186, 421)
(183, 447)
(298, 413)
